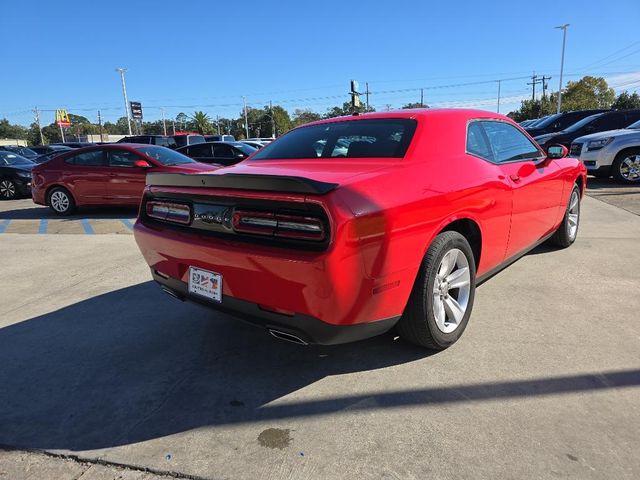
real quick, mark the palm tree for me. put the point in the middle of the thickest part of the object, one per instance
(201, 122)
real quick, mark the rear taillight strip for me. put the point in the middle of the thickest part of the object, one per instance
(285, 226)
(169, 212)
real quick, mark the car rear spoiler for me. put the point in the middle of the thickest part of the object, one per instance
(241, 181)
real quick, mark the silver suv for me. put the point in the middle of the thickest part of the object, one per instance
(614, 152)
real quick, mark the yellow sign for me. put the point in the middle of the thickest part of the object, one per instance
(62, 118)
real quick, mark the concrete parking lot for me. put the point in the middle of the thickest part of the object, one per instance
(97, 363)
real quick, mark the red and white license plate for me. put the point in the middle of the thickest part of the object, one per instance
(205, 284)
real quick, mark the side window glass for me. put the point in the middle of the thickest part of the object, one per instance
(222, 151)
(477, 141)
(122, 158)
(508, 143)
(202, 150)
(87, 159)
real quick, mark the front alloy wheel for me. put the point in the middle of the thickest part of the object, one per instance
(626, 167)
(567, 232)
(7, 189)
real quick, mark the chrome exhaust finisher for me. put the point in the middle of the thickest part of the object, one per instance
(168, 291)
(287, 337)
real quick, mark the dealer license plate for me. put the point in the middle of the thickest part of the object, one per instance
(205, 284)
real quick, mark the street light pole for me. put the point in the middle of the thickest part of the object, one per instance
(164, 122)
(564, 41)
(246, 120)
(124, 94)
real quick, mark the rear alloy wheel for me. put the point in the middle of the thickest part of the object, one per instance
(61, 202)
(626, 167)
(442, 298)
(7, 189)
(568, 230)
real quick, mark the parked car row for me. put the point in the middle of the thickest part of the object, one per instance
(63, 172)
(606, 141)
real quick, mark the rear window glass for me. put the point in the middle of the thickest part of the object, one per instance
(164, 155)
(384, 137)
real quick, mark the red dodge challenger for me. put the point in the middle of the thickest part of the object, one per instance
(344, 228)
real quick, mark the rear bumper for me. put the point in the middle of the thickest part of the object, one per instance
(307, 329)
(326, 296)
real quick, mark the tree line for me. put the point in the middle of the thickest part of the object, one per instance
(269, 121)
(585, 94)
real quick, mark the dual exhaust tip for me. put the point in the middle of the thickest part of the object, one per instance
(279, 334)
(287, 337)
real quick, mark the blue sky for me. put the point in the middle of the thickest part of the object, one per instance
(205, 55)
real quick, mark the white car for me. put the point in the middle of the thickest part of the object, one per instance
(614, 152)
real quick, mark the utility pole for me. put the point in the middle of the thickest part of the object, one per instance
(545, 81)
(218, 125)
(124, 94)
(422, 98)
(100, 126)
(174, 126)
(246, 118)
(498, 110)
(534, 81)
(564, 41)
(37, 119)
(273, 122)
(164, 122)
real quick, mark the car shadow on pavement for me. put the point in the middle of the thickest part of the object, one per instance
(133, 365)
(45, 213)
(595, 184)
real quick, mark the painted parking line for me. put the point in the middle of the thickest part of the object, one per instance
(127, 223)
(88, 229)
(44, 224)
(4, 224)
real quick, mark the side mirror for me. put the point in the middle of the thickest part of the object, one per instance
(141, 164)
(557, 151)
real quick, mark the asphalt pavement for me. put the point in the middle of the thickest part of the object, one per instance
(99, 364)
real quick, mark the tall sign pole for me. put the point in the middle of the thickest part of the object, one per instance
(564, 41)
(124, 94)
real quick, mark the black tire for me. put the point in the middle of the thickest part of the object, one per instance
(57, 193)
(562, 237)
(418, 324)
(618, 176)
(8, 189)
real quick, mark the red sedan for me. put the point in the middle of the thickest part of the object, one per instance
(104, 175)
(343, 228)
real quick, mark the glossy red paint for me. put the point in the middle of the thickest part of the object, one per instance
(382, 218)
(102, 184)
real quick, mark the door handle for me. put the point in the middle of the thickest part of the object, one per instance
(515, 178)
